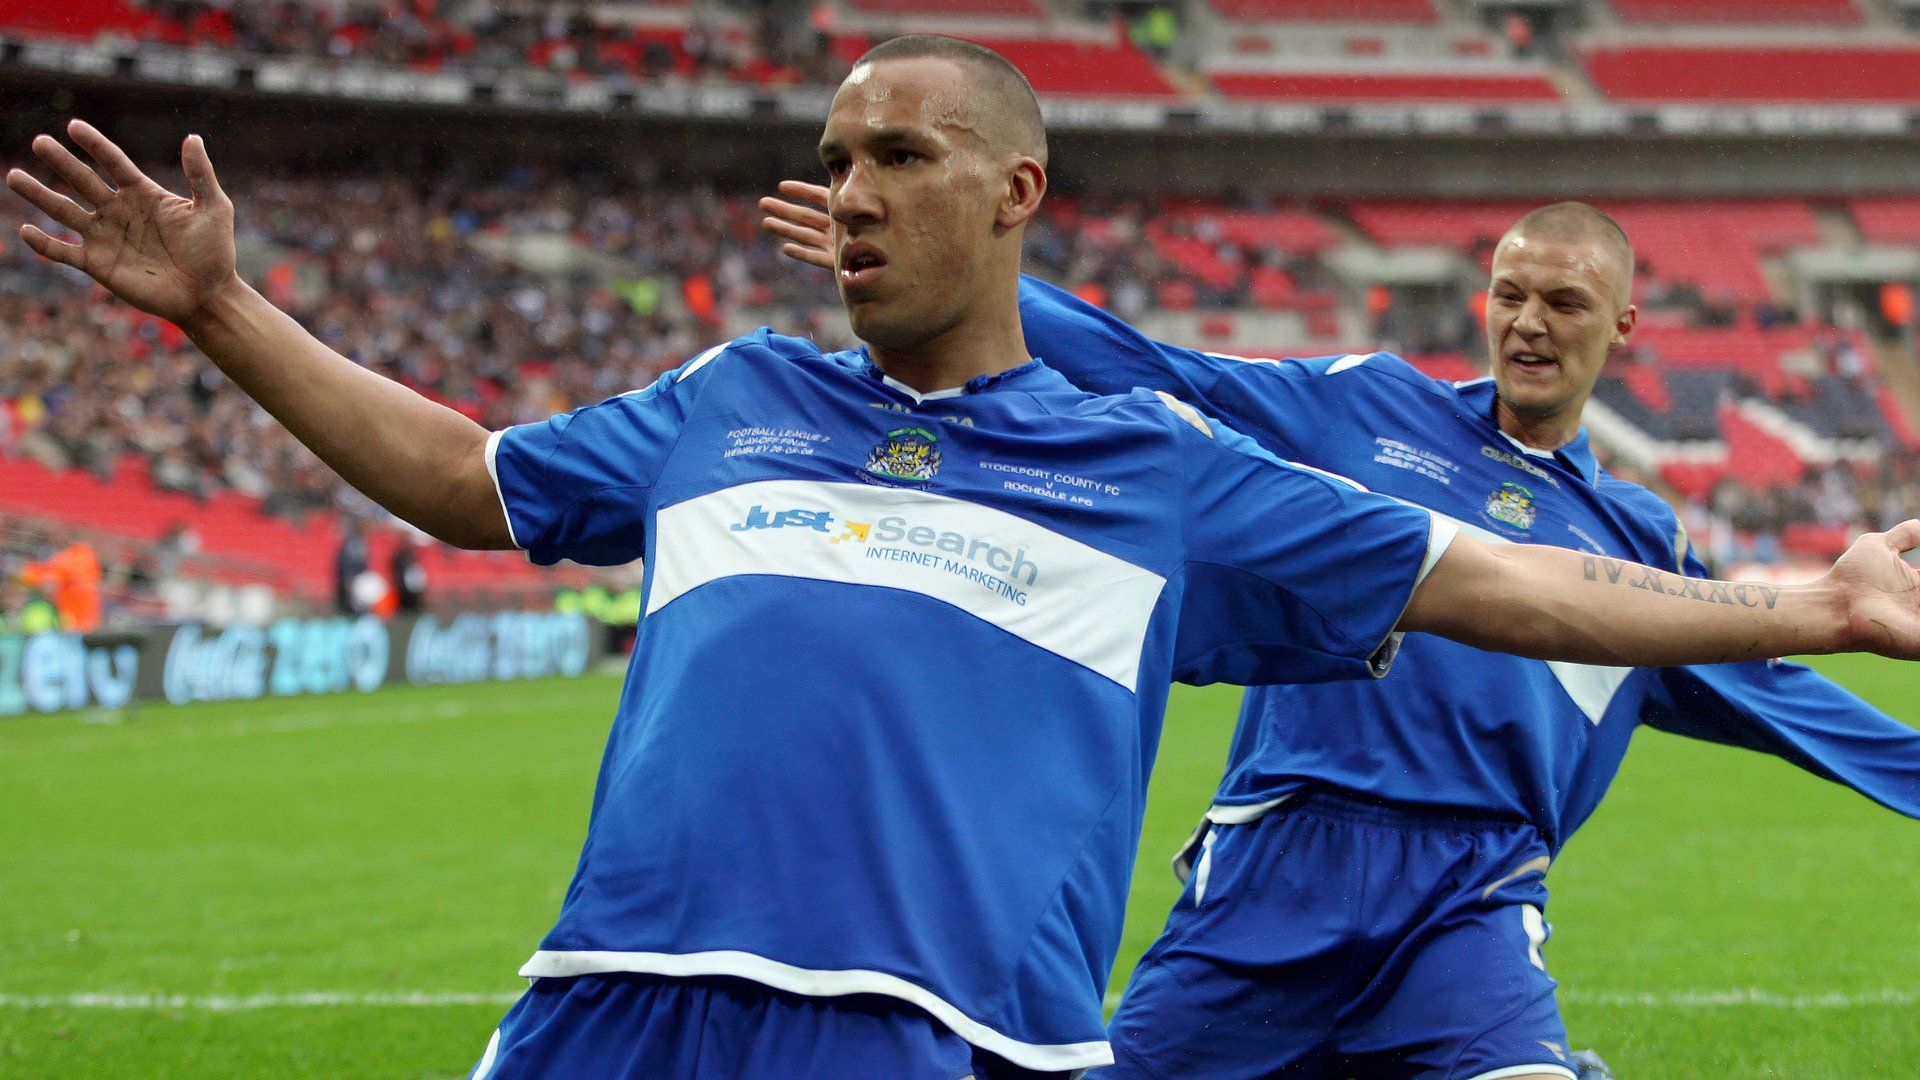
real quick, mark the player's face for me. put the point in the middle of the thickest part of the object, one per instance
(911, 199)
(1555, 309)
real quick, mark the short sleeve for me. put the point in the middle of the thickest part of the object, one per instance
(1292, 575)
(578, 485)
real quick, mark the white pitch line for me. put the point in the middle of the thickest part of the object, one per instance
(280, 723)
(1749, 997)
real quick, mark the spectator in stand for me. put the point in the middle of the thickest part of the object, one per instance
(408, 576)
(71, 579)
(24, 611)
(1518, 29)
(420, 276)
(349, 562)
(482, 37)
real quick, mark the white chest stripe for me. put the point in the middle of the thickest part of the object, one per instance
(1045, 588)
(1591, 686)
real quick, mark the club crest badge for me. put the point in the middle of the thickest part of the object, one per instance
(1512, 504)
(910, 453)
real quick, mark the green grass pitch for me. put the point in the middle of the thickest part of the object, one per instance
(260, 890)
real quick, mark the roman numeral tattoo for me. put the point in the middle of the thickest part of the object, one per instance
(1615, 572)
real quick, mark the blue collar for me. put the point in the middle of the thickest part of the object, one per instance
(1032, 375)
(1480, 395)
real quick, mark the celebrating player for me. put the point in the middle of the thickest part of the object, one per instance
(1370, 883)
(871, 796)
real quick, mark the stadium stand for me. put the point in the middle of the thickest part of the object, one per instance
(1408, 11)
(529, 291)
(1753, 73)
(461, 319)
(237, 542)
(1891, 220)
(1737, 12)
(1719, 246)
(1385, 85)
(1056, 66)
(78, 18)
(1013, 9)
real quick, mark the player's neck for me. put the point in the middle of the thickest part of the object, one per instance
(984, 345)
(1537, 432)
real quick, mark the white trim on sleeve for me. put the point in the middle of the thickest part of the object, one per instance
(1044, 1057)
(1444, 530)
(1555, 1069)
(1440, 533)
(493, 471)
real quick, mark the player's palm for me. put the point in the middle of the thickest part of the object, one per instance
(1884, 591)
(163, 253)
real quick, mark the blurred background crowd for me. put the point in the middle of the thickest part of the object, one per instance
(1775, 410)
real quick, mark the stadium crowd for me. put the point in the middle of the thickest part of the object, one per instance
(516, 295)
(766, 45)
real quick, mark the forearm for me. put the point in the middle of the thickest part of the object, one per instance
(420, 460)
(1554, 604)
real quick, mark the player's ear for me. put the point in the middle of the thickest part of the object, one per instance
(1623, 326)
(1026, 186)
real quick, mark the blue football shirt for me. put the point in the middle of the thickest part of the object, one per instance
(902, 665)
(1455, 727)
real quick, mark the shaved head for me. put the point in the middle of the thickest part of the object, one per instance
(1578, 223)
(1559, 301)
(1006, 114)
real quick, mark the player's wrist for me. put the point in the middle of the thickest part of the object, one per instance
(1831, 621)
(222, 306)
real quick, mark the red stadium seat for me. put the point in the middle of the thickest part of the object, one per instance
(72, 18)
(1385, 86)
(1411, 11)
(1077, 67)
(1715, 244)
(1021, 9)
(1458, 225)
(1736, 12)
(234, 533)
(1660, 73)
(1453, 367)
(1646, 383)
(1822, 542)
(1693, 479)
(1891, 220)
(1755, 456)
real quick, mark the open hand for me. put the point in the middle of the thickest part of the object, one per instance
(802, 224)
(163, 253)
(1883, 592)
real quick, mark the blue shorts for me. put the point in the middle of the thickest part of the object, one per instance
(1333, 938)
(629, 1026)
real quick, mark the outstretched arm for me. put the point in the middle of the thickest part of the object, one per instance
(1553, 604)
(173, 256)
